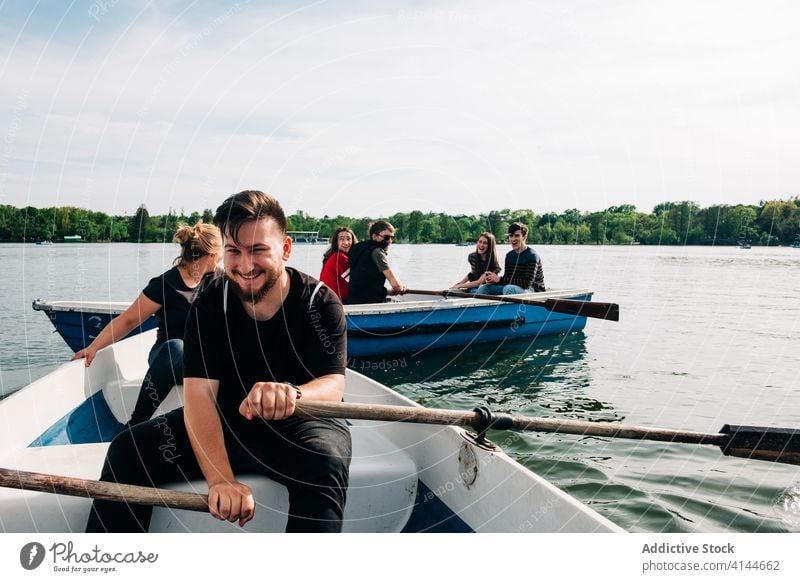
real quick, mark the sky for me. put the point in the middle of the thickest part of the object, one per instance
(369, 108)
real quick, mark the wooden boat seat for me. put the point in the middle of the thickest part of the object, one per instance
(383, 488)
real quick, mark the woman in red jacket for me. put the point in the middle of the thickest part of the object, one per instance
(335, 263)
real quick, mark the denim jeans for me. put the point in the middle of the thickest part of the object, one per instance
(498, 289)
(166, 371)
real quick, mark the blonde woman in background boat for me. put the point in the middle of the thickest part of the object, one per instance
(336, 263)
(168, 297)
(482, 261)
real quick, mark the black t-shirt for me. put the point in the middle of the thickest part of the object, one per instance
(175, 299)
(479, 267)
(305, 339)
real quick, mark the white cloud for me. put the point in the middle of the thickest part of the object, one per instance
(460, 108)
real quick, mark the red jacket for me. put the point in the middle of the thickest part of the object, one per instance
(336, 274)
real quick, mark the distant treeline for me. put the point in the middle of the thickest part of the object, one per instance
(776, 222)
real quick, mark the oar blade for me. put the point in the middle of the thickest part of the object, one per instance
(598, 310)
(779, 445)
(608, 311)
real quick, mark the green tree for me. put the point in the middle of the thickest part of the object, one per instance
(597, 227)
(778, 221)
(139, 224)
(584, 234)
(414, 226)
(682, 222)
(496, 224)
(680, 217)
(429, 229)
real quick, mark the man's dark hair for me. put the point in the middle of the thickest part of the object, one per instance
(515, 226)
(245, 206)
(379, 225)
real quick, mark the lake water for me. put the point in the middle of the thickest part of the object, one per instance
(707, 336)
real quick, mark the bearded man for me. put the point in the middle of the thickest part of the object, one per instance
(255, 341)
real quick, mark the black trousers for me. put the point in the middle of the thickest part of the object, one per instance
(310, 457)
(165, 371)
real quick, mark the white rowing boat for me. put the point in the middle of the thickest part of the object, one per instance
(404, 477)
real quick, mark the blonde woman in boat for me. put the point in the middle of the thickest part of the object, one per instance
(168, 297)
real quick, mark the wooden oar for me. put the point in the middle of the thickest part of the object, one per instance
(595, 309)
(781, 445)
(103, 490)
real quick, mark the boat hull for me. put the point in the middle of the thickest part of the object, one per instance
(404, 477)
(407, 326)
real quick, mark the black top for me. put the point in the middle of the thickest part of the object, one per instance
(478, 267)
(367, 281)
(305, 339)
(175, 298)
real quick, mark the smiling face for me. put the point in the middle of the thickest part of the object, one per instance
(482, 246)
(517, 240)
(255, 261)
(344, 241)
(385, 237)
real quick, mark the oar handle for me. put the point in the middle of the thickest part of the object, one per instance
(103, 490)
(384, 412)
(418, 414)
(770, 444)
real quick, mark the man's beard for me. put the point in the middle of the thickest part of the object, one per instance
(253, 297)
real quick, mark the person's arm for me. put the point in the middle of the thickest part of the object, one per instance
(464, 283)
(493, 278)
(461, 283)
(276, 400)
(227, 498)
(119, 327)
(397, 286)
(538, 278)
(475, 278)
(342, 266)
(382, 263)
(203, 349)
(473, 284)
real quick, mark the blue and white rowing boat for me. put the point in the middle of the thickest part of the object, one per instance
(411, 324)
(404, 477)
